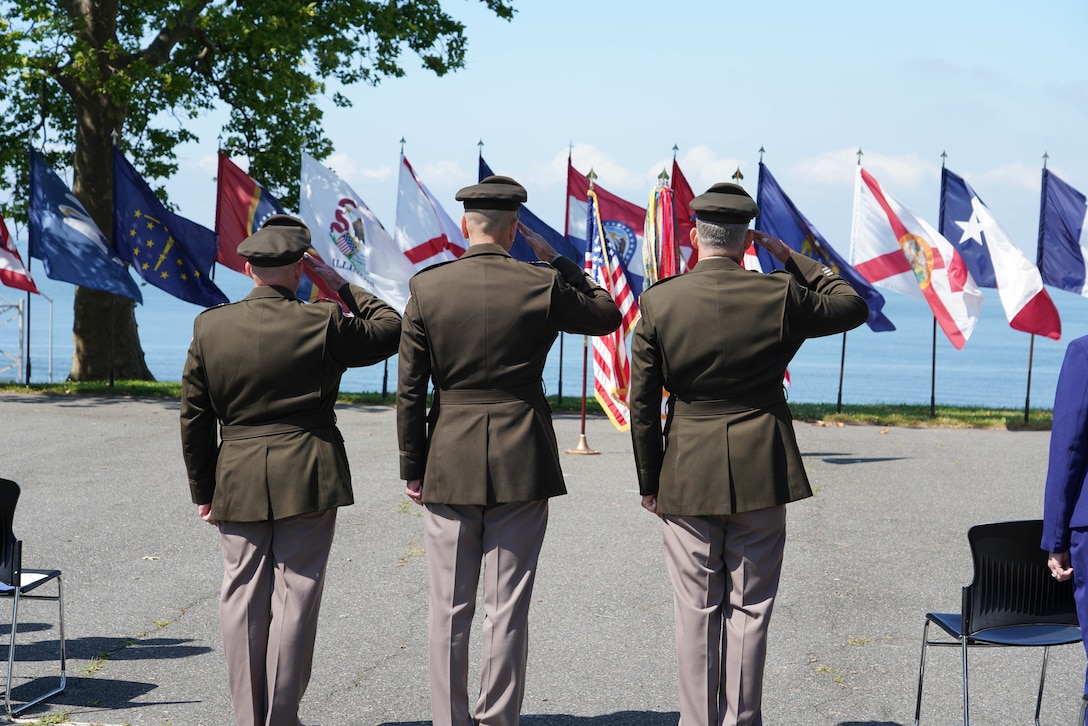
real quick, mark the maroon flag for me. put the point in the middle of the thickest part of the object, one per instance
(685, 220)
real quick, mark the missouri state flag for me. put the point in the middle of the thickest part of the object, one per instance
(621, 221)
(898, 251)
(169, 251)
(12, 271)
(994, 261)
(779, 217)
(1063, 236)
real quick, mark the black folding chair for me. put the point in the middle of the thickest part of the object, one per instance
(21, 584)
(1013, 601)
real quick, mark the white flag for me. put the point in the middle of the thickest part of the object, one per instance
(349, 237)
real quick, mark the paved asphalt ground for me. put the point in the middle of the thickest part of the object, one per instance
(883, 541)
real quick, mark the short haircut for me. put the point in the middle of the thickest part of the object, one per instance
(723, 238)
(491, 222)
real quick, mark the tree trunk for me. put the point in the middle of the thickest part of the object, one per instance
(97, 118)
(94, 345)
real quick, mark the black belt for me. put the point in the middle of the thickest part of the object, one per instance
(740, 404)
(312, 422)
(467, 396)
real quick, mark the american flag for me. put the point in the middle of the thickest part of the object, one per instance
(611, 369)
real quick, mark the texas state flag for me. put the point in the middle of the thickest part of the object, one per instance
(994, 261)
(1062, 237)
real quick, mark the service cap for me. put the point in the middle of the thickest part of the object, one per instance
(494, 192)
(724, 203)
(281, 240)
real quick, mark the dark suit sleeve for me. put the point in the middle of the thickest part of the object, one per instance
(647, 383)
(1068, 448)
(369, 337)
(579, 306)
(413, 376)
(821, 303)
(199, 424)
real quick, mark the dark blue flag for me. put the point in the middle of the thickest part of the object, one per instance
(521, 249)
(780, 218)
(172, 253)
(1063, 236)
(67, 241)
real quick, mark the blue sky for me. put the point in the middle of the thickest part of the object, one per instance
(995, 84)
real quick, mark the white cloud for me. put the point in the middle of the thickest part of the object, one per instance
(209, 164)
(702, 168)
(346, 168)
(839, 167)
(1018, 175)
(442, 174)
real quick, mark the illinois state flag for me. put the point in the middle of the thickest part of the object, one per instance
(171, 252)
(424, 232)
(67, 241)
(898, 251)
(1063, 241)
(779, 217)
(241, 207)
(994, 261)
(348, 236)
(622, 222)
(12, 271)
(611, 368)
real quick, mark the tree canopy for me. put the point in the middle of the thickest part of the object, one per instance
(75, 72)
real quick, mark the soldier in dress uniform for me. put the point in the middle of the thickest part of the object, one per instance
(484, 461)
(720, 473)
(261, 377)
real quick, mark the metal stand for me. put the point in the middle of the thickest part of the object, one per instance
(582, 447)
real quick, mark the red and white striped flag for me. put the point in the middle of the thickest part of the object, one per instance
(12, 271)
(611, 368)
(894, 249)
(424, 232)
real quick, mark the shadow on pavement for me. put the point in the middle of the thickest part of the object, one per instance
(620, 718)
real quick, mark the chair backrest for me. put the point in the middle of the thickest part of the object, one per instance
(10, 548)
(1012, 583)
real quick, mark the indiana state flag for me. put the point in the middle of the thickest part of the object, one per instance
(172, 253)
(780, 218)
(1063, 236)
(994, 261)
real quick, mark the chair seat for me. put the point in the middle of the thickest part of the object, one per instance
(1013, 635)
(29, 579)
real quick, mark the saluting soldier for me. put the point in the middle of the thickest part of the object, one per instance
(262, 377)
(485, 461)
(719, 339)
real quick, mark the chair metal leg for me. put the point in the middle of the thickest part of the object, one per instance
(11, 651)
(921, 673)
(966, 702)
(1083, 707)
(1042, 682)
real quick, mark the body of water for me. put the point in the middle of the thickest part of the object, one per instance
(893, 367)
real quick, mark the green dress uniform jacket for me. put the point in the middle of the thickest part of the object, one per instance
(719, 339)
(268, 369)
(481, 327)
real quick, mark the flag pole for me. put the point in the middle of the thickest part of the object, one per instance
(113, 235)
(582, 447)
(1027, 397)
(842, 367)
(933, 362)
